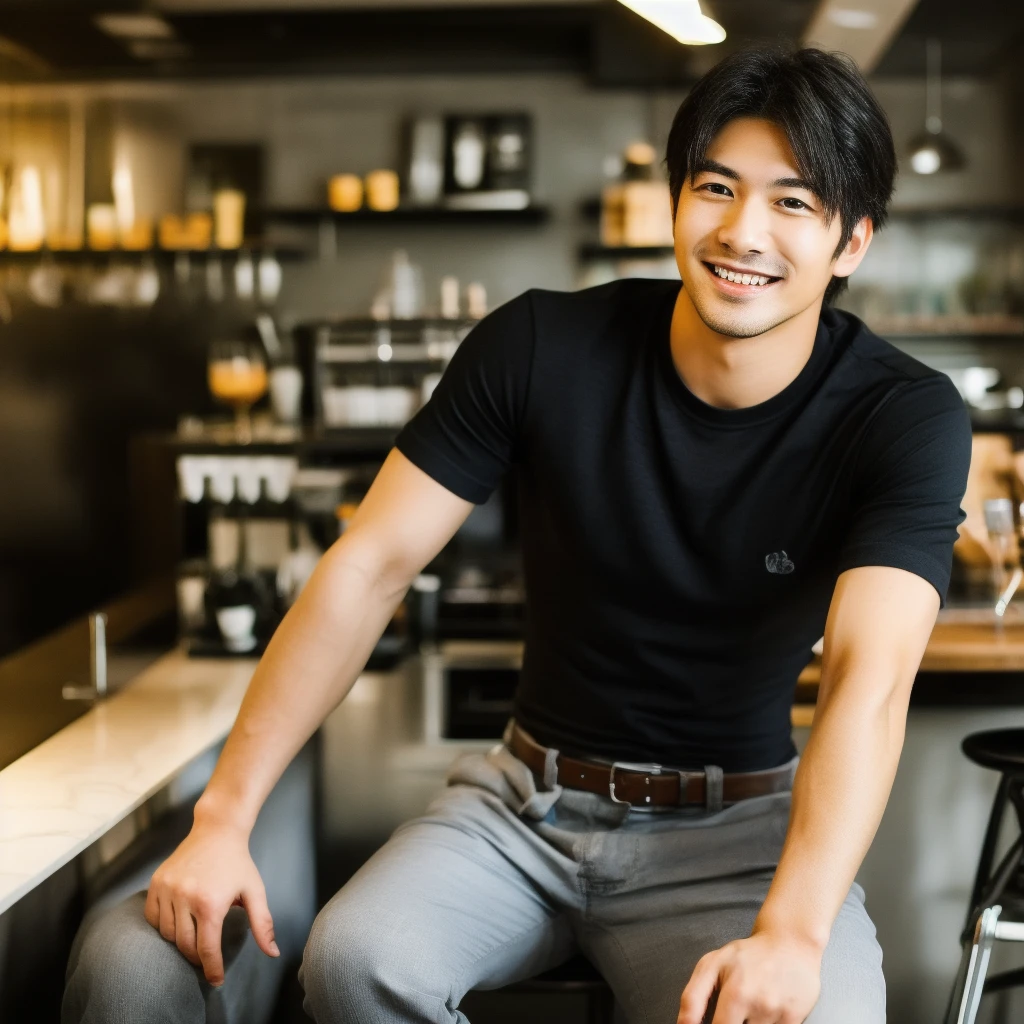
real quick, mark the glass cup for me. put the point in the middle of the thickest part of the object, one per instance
(238, 378)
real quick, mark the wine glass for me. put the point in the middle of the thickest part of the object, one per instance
(238, 377)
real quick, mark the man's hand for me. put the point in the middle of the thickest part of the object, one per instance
(193, 889)
(766, 979)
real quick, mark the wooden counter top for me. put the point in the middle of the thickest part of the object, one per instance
(961, 646)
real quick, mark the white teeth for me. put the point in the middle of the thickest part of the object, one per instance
(731, 275)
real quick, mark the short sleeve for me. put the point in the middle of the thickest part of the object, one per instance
(468, 434)
(911, 474)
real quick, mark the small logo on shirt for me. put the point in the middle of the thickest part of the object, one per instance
(779, 563)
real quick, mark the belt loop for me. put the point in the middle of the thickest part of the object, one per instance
(550, 768)
(713, 788)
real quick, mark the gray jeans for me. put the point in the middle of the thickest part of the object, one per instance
(499, 881)
(122, 972)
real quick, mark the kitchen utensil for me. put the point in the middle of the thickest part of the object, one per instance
(268, 273)
(425, 175)
(269, 336)
(245, 276)
(297, 566)
(147, 282)
(286, 393)
(236, 626)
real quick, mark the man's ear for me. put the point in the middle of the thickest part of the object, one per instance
(849, 259)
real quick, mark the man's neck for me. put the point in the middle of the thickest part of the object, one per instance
(735, 373)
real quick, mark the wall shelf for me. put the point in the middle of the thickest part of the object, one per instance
(256, 250)
(1009, 214)
(593, 251)
(406, 215)
(997, 326)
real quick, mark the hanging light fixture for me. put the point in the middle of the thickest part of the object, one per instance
(681, 19)
(933, 150)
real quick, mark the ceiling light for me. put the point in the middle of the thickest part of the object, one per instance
(933, 150)
(135, 26)
(681, 19)
(852, 17)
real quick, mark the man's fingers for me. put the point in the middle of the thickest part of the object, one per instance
(208, 928)
(152, 911)
(185, 932)
(166, 922)
(697, 994)
(254, 899)
(730, 1010)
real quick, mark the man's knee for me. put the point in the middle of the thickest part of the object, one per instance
(357, 968)
(121, 970)
(852, 983)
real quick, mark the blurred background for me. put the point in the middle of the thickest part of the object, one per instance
(120, 123)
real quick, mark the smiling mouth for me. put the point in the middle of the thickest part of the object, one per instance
(744, 280)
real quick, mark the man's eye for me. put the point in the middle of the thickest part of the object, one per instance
(717, 188)
(794, 204)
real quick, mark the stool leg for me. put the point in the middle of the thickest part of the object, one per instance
(980, 951)
(988, 847)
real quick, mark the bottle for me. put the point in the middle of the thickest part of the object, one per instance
(646, 207)
(406, 287)
(1002, 533)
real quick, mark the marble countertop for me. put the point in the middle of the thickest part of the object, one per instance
(63, 795)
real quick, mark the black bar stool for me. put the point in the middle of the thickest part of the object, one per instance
(575, 975)
(998, 889)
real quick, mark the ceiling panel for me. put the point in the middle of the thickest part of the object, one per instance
(289, 36)
(977, 38)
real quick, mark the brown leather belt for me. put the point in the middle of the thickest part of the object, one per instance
(647, 785)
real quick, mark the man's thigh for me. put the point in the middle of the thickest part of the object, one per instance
(465, 897)
(648, 961)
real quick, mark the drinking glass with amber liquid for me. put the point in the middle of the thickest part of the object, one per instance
(238, 378)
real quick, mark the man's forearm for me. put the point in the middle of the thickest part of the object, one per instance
(310, 664)
(839, 796)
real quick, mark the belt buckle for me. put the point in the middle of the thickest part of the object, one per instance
(631, 766)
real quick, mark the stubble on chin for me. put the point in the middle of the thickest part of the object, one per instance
(738, 324)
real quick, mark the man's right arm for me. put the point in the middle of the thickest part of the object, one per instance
(310, 664)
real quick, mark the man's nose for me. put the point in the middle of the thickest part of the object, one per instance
(745, 228)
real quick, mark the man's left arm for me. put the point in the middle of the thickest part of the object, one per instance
(878, 626)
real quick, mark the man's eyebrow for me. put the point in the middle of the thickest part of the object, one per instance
(794, 183)
(714, 167)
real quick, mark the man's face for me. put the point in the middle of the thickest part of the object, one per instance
(747, 212)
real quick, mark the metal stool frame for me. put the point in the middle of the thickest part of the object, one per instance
(992, 888)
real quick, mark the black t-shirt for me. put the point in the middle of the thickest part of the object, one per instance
(679, 557)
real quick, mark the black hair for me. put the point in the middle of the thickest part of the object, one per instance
(839, 134)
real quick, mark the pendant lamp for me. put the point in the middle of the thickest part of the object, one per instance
(681, 19)
(933, 150)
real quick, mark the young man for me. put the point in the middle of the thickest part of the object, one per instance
(713, 475)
